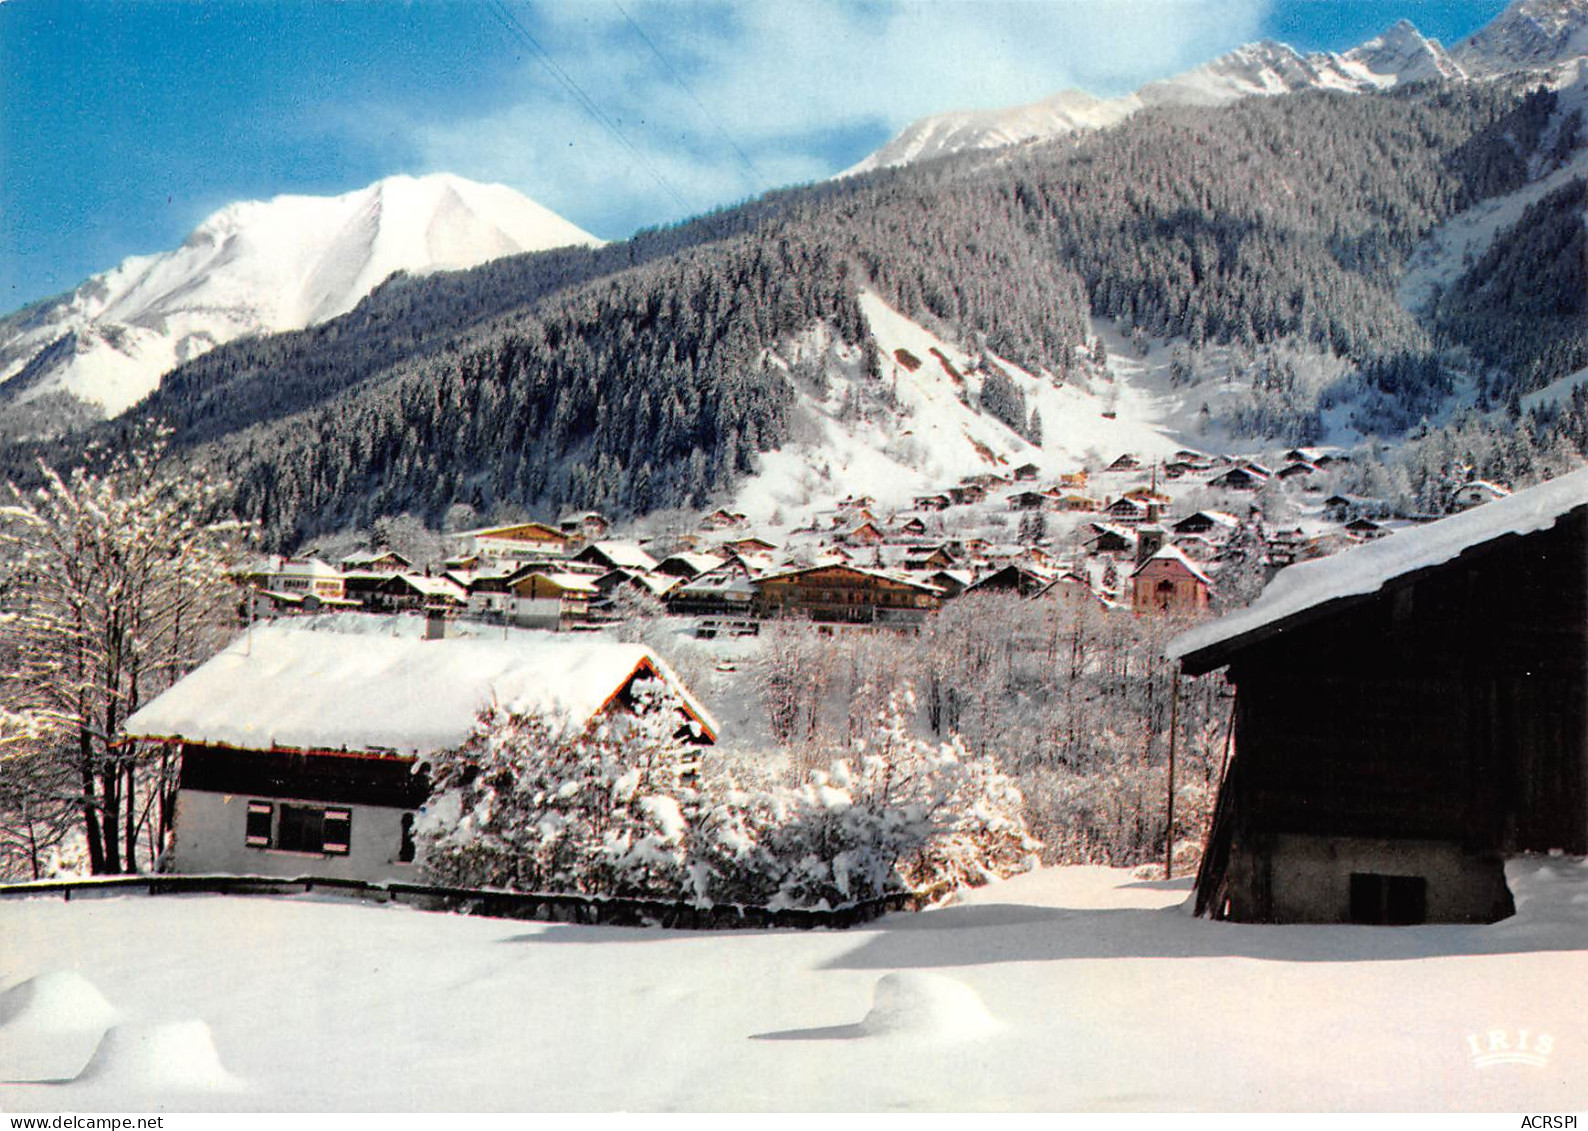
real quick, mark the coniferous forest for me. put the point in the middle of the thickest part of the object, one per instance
(640, 375)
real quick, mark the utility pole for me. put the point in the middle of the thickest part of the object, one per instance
(1174, 720)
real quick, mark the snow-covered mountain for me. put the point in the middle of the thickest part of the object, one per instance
(257, 267)
(1401, 54)
(1528, 35)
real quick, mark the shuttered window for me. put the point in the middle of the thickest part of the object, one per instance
(338, 828)
(258, 833)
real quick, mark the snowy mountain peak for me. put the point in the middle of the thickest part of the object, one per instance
(1528, 35)
(1267, 67)
(259, 267)
(1403, 54)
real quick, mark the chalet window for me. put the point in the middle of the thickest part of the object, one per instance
(1395, 901)
(300, 828)
(259, 814)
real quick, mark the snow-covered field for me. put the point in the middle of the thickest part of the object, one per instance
(1069, 988)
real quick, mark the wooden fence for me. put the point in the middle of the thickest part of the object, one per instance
(622, 911)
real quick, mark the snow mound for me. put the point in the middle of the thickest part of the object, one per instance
(173, 1056)
(1549, 888)
(920, 1004)
(60, 1001)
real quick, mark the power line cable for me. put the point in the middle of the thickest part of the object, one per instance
(517, 30)
(761, 181)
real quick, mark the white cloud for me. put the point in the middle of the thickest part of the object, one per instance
(789, 83)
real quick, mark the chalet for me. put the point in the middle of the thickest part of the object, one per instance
(1297, 470)
(728, 590)
(866, 534)
(1073, 587)
(1192, 456)
(1014, 578)
(1216, 524)
(1408, 713)
(1126, 509)
(1476, 493)
(585, 525)
(1169, 582)
(616, 555)
(301, 750)
(914, 527)
(1126, 462)
(750, 545)
(406, 592)
(1026, 472)
(520, 541)
(847, 594)
(1076, 503)
(653, 585)
(987, 480)
(722, 519)
(1342, 508)
(1109, 539)
(544, 597)
(1147, 495)
(1028, 500)
(1362, 529)
(366, 588)
(1076, 479)
(298, 578)
(952, 582)
(1241, 477)
(689, 565)
(929, 558)
(967, 493)
(377, 561)
(932, 502)
(1318, 457)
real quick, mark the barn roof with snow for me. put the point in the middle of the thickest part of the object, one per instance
(350, 684)
(1309, 590)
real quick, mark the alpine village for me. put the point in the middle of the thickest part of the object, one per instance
(926, 638)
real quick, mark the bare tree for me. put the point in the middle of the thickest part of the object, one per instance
(114, 584)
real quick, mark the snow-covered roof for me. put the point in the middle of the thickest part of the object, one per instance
(1366, 569)
(1174, 554)
(699, 562)
(563, 579)
(624, 554)
(345, 685)
(434, 586)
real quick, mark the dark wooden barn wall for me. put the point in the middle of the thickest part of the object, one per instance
(1452, 706)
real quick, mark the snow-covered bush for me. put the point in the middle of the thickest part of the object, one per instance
(537, 805)
(540, 804)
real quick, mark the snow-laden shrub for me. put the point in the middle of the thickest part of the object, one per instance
(903, 815)
(537, 805)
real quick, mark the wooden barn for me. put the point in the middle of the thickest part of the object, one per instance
(299, 744)
(1408, 713)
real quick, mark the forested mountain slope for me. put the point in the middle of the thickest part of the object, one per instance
(1269, 220)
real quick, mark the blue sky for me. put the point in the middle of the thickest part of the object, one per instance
(123, 124)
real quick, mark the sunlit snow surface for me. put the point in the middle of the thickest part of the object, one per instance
(259, 267)
(1069, 988)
